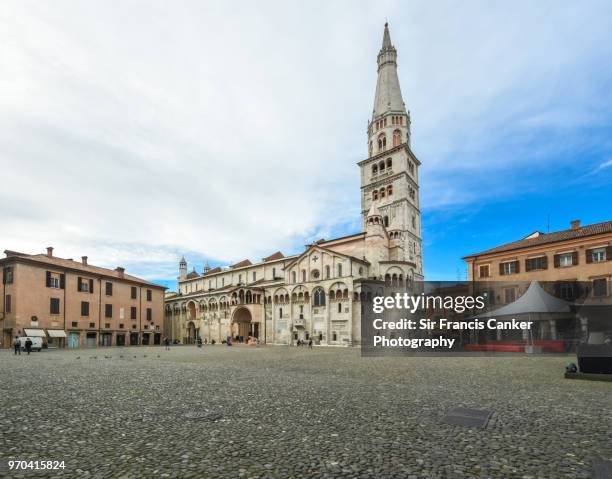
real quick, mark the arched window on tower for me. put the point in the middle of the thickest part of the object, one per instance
(381, 166)
(293, 277)
(397, 137)
(303, 276)
(370, 148)
(382, 142)
(389, 190)
(386, 221)
(389, 163)
(374, 195)
(374, 169)
(382, 193)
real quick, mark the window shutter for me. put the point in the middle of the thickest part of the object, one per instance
(556, 260)
(48, 279)
(91, 286)
(609, 253)
(3, 275)
(501, 269)
(79, 280)
(545, 262)
(528, 265)
(62, 281)
(589, 256)
(518, 266)
(575, 258)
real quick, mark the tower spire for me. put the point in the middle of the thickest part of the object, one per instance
(388, 95)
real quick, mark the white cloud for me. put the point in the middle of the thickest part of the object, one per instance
(138, 131)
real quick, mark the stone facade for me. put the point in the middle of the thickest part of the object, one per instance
(77, 304)
(318, 294)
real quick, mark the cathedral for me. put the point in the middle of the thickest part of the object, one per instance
(319, 294)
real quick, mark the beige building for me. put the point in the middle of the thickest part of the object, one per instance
(75, 304)
(319, 293)
(578, 254)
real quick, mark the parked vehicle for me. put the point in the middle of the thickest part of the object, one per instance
(37, 343)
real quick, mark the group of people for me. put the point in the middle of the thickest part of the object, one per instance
(304, 342)
(17, 345)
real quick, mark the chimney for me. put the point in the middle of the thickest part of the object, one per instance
(84, 259)
(50, 251)
(575, 224)
(120, 270)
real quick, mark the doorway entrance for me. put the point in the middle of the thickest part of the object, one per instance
(121, 340)
(73, 340)
(243, 324)
(192, 333)
(107, 339)
(91, 340)
(145, 339)
(133, 339)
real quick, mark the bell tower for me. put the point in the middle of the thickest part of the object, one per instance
(390, 174)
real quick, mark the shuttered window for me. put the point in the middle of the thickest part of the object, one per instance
(149, 295)
(109, 289)
(539, 263)
(149, 314)
(108, 310)
(7, 304)
(508, 267)
(134, 292)
(133, 312)
(84, 308)
(54, 306)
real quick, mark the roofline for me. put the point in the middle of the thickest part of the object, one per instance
(488, 252)
(31, 260)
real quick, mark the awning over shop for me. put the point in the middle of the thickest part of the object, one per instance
(35, 333)
(56, 333)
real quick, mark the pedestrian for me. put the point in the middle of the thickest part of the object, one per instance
(17, 345)
(167, 343)
(310, 343)
(28, 345)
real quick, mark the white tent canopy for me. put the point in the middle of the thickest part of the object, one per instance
(35, 333)
(534, 301)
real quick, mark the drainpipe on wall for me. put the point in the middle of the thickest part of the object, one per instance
(99, 309)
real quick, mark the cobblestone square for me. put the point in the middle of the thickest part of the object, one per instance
(292, 412)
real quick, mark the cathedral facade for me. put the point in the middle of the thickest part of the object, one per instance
(319, 294)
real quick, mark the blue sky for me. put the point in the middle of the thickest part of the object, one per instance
(225, 130)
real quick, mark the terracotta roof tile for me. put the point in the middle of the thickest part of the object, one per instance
(273, 256)
(546, 238)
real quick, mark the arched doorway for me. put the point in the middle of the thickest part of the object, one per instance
(191, 333)
(243, 325)
(191, 307)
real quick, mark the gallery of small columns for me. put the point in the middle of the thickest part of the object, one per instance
(329, 316)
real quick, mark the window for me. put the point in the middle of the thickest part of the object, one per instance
(293, 277)
(7, 303)
(413, 221)
(108, 310)
(374, 195)
(566, 290)
(484, 271)
(121, 326)
(509, 295)
(85, 285)
(386, 221)
(596, 255)
(327, 272)
(134, 292)
(280, 313)
(339, 307)
(84, 308)
(107, 325)
(239, 279)
(340, 269)
(303, 275)
(133, 312)
(374, 170)
(412, 193)
(411, 167)
(382, 193)
(315, 273)
(397, 138)
(389, 190)
(532, 264)
(509, 267)
(566, 259)
(149, 295)
(92, 325)
(55, 280)
(319, 297)
(109, 289)
(600, 287)
(54, 306)
(7, 275)
(75, 324)
(334, 336)
(149, 314)
(254, 275)
(382, 142)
